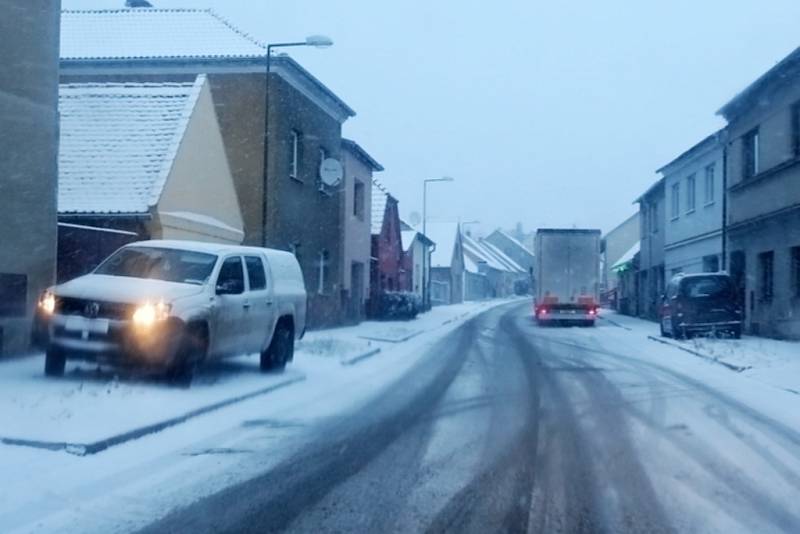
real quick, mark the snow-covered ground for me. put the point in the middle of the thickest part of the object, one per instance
(771, 361)
(51, 490)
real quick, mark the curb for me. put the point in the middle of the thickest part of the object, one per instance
(355, 359)
(730, 366)
(393, 339)
(86, 449)
(615, 323)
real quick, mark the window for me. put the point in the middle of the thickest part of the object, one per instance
(358, 199)
(323, 155)
(766, 261)
(796, 129)
(795, 271)
(709, 184)
(750, 154)
(676, 200)
(654, 217)
(13, 294)
(231, 275)
(294, 155)
(255, 272)
(690, 193)
(324, 270)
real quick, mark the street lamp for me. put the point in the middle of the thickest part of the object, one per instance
(426, 294)
(316, 41)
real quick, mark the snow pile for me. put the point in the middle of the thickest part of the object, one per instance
(771, 361)
(322, 345)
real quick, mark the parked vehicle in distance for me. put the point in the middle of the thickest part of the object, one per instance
(567, 276)
(700, 303)
(172, 305)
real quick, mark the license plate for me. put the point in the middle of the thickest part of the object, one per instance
(76, 323)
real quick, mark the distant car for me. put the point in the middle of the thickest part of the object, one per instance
(700, 303)
(171, 305)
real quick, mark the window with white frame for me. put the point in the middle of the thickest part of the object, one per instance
(709, 184)
(691, 186)
(675, 212)
(324, 270)
(294, 155)
(750, 161)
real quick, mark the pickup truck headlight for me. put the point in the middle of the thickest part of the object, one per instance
(47, 303)
(150, 313)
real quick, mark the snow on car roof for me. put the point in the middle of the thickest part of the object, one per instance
(124, 34)
(118, 142)
(207, 247)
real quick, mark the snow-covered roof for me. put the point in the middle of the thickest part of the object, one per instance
(444, 234)
(476, 252)
(502, 257)
(483, 251)
(627, 257)
(470, 265)
(380, 197)
(144, 33)
(118, 142)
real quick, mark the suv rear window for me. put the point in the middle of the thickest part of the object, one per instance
(706, 287)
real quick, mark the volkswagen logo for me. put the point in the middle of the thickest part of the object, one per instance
(92, 310)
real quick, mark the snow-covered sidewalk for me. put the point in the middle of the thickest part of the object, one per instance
(771, 361)
(91, 409)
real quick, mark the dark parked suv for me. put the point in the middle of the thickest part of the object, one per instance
(700, 303)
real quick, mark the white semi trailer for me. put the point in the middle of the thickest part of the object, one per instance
(567, 275)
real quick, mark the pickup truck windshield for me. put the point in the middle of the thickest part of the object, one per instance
(160, 264)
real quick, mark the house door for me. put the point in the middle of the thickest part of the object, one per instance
(738, 274)
(356, 290)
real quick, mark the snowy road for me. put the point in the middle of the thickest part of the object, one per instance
(504, 426)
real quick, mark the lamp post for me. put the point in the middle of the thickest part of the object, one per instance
(317, 41)
(426, 294)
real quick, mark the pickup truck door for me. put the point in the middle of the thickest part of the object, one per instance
(229, 308)
(260, 312)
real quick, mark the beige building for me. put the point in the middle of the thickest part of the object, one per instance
(29, 35)
(359, 167)
(615, 245)
(143, 158)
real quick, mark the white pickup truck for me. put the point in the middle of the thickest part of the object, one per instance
(171, 305)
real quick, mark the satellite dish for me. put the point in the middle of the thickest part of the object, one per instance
(331, 172)
(414, 218)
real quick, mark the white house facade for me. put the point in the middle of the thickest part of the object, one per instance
(695, 203)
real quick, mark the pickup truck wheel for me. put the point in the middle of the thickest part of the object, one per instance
(280, 350)
(55, 361)
(191, 352)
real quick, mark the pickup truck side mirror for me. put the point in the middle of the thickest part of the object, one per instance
(230, 287)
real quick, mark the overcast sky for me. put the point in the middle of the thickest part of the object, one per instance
(547, 113)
